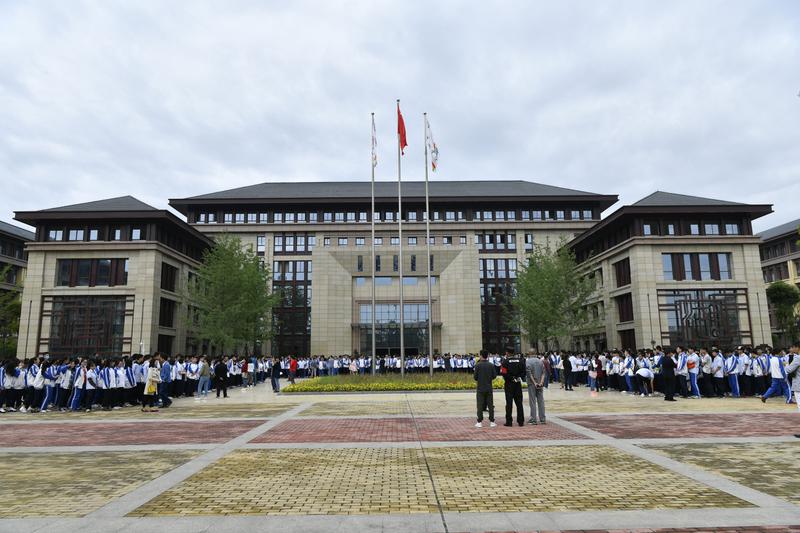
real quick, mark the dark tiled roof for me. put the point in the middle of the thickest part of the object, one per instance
(783, 229)
(121, 203)
(671, 199)
(361, 189)
(16, 231)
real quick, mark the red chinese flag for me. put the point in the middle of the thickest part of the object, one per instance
(401, 130)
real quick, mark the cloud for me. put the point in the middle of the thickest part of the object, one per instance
(163, 100)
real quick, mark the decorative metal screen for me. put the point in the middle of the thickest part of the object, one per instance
(705, 318)
(84, 325)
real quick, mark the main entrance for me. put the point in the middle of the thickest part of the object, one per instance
(387, 329)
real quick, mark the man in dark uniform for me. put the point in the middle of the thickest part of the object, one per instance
(668, 366)
(512, 368)
(221, 376)
(484, 374)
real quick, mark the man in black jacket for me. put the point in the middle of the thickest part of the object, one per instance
(668, 374)
(484, 374)
(512, 368)
(221, 376)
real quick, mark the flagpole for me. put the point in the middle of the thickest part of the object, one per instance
(372, 224)
(400, 234)
(428, 247)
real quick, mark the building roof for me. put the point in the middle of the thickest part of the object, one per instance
(661, 202)
(671, 199)
(343, 191)
(779, 231)
(120, 203)
(16, 231)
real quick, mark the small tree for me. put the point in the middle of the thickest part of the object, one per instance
(232, 296)
(784, 299)
(10, 310)
(551, 297)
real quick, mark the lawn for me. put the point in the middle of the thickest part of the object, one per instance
(388, 382)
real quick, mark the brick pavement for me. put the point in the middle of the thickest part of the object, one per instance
(186, 409)
(770, 468)
(98, 434)
(405, 430)
(659, 425)
(743, 529)
(74, 484)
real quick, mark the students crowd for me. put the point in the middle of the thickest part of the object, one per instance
(45, 384)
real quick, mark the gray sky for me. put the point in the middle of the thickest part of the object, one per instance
(172, 99)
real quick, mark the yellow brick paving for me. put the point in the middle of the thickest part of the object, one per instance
(561, 478)
(303, 482)
(771, 468)
(75, 484)
(393, 481)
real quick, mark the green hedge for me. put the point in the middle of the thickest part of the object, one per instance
(366, 383)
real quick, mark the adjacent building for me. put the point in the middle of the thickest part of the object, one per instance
(673, 269)
(780, 257)
(108, 277)
(316, 237)
(13, 255)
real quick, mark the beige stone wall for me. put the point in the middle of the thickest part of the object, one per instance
(144, 280)
(647, 279)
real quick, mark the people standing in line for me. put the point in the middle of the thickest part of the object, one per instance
(668, 365)
(536, 376)
(221, 377)
(512, 368)
(275, 375)
(484, 374)
(203, 378)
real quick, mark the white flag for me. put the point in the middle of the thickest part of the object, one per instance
(432, 148)
(374, 145)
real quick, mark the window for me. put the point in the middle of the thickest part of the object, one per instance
(462, 240)
(711, 229)
(327, 217)
(342, 241)
(487, 215)
(103, 272)
(136, 234)
(537, 215)
(647, 229)
(412, 216)
(362, 216)
(361, 280)
(410, 280)
(437, 216)
(412, 241)
(227, 218)
(395, 263)
(312, 217)
(351, 216)
(705, 266)
(724, 261)
(201, 218)
(91, 272)
(263, 218)
(166, 315)
(382, 281)
(339, 217)
(277, 218)
(732, 229)
(388, 216)
(378, 241)
(666, 261)
(670, 229)
(75, 235)
(694, 229)
(377, 263)
(169, 276)
(688, 267)
(395, 241)
(326, 241)
(312, 242)
(278, 244)
(432, 240)
(55, 235)
(450, 216)
(252, 218)
(360, 263)
(359, 241)
(212, 217)
(559, 215)
(587, 214)
(261, 243)
(240, 218)
(413, 263)
(622, 270)
(575, 214)
(431, 263)
(528, 242)
(94, 234)
(625, 307)
(116, 234)
(288, 243)
(526, 215)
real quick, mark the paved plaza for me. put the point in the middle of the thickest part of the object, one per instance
(404, 462)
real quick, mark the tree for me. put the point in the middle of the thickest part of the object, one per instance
(784, 299)
(551, 297)
(232, 296)
(10, 310)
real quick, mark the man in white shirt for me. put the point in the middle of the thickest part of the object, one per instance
(693, 363)
(779, 375)
(717, 369)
